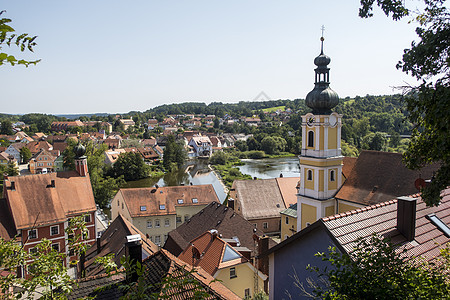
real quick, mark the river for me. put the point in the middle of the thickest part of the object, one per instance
(197, 172)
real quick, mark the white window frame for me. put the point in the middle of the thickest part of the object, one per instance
(57, 230)
(157, 223)
(149, 224)
(56, 244)
(166, 222)
(36, 235)
(265, 225)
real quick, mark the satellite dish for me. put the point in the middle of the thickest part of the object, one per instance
(419, 183)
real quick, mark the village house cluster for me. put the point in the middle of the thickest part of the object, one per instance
(264, 235)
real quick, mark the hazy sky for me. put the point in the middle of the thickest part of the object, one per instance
(118, 56)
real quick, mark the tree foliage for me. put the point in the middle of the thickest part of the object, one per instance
(376, 269)
(6, 127)
(174, 154)
(48, 276)
(25, 154)
(131, 166)
(9, 37)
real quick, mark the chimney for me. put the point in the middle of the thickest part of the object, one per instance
(133, 250)
(406, 217)
(99, 246)
(53, 183)
(13, 186)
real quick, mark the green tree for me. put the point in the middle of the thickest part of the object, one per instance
(219, 158)
(6, 127)
(9, 37)
(273, 144)
(241, 145)
(49, 278)
(376, 270)
(12, 169)
(429, 108)
(25, 155)
(131, 166)
(174, 154)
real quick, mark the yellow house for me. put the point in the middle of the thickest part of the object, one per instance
(288, 222)
(225, 263)
(157, 211)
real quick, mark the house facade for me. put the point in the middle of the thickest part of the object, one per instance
(42, 162)
(40, 206)
(157, 211)
(201, 145)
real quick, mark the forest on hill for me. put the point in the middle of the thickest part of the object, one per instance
(369, 122)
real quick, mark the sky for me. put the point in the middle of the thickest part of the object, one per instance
(120, 56)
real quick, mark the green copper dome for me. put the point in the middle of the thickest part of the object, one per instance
(79, 150)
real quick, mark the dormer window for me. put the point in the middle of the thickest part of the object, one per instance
(143, 208)
(194, 200)
(162, 206)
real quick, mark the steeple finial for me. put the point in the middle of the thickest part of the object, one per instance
(322, 39)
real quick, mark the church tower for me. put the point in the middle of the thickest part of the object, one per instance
(320, 159)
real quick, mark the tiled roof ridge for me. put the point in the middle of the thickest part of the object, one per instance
(98, 276)
(366, 208)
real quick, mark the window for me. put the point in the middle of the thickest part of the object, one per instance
(180, 201)
(162, 206)
(439, 224)
(166, 222)
(32, 250)
(86, 235)
(265, 225)
(143, 208)
(149, 224)
(157, 223)
(178, 219)
(233, 273)
(158, 239)
(311, 138)
(287, 220)
(186, 218)
(87, 218)
(54, 230)
(55, 247)
(309, 177)
(247, 293)
(255, 225)
(194, 200)
(32, 234)
(332, 175)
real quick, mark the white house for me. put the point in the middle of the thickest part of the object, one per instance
(202, 146)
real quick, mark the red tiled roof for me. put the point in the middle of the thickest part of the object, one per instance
(33, 197)
(168, 196)
(382, 219)
(288, 189)
(211, 249)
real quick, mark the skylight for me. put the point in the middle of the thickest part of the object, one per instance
(180, 201)
(143, 208)
(439, 224)
(194, 200)
(230, 254)
(162, 206)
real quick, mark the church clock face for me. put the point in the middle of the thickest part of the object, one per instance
(310, 121)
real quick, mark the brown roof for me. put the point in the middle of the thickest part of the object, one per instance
(348, 164)
(259, 198)
(152, 198)
(148, 153)
(382, 219)
(212, 248)
(380, 176)
(35, 147)
(346, 228)
(112, 241)
(7, 228)
(288, 189)
(34, 198)
(214, 216)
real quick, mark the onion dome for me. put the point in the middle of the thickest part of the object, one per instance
(322, 98)
(79, 150)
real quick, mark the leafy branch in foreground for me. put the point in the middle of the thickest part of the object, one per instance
(22, 41)
(376, 269)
